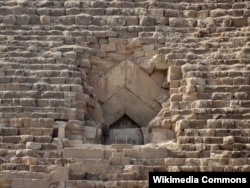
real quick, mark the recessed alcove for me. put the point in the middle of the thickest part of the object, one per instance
(125, 131)
(126, 91)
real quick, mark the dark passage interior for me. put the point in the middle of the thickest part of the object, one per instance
(125, 131)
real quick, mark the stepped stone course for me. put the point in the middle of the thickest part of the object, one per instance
(98, 93)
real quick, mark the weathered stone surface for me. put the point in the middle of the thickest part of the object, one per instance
(169, 79)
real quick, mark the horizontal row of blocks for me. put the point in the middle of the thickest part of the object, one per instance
(41, 35)
(16, 73)
(7, 111)
(190, 165)
(44, 95)
(22, 139)
(216, 132)
(239, 140)
(34, 131)
(22, 103)
(215, 106)
(41, 86)
(46, 154)
(31, 64)
(117, 21)
(231, 124)
(186, 11)
(177, 4)
(63, 115)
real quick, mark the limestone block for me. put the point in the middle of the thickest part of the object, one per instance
(43, 139)
(89, 132)
(161, 135)
(83, 153)
(9, 20)
(24, 131)
(34, 20)
(139, 83)
(96, 113)
(12, 139)
(235, 12)
(112, 83)
(1, 19)
(74, 125)
(190, 89)
(5, 181)
(176, 22)
(239, 5)
(36, 131)
(174, 161)
(147, 21)
(163, 21)
(76, 88)
(176, 97)
(49, 146)
(133, 43)
(56, 102)
(4, 11)
(29, 182)
(33, 145)
(66, 142)
(23, 19)
(237, 162)
(181, 125)
(84, 63)
(239, 22)
(116, 159)
(189, 13)
(45, 20)
(217, 162)
(7, 131)
(171, 13)
(60, 174)
(68, 20)
(140, 53)
(148, 64)
(25, 152)
(83, 19)
(110, 47)
(228, 140)
(246, 13)
(147, 153)
(132, 20)
(71, 4)
(72, 11)
(57, 12)
(223, 96)
(85, 183)
(42, 102)
(47, 131)
(195, 81)
(46, 122)
(218, 12)
(156, 12)
(38, 168)
(26, 138)
(3, 152)
(116, 21)
(174, 73)
(241, 95)
(43, 11)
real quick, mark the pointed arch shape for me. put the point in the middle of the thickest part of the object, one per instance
(127, 90)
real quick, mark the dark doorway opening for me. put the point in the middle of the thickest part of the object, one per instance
(125, 131)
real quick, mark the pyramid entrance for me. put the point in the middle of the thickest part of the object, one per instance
(125, 131)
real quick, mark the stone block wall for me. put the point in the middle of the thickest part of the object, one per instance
(179, 69)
